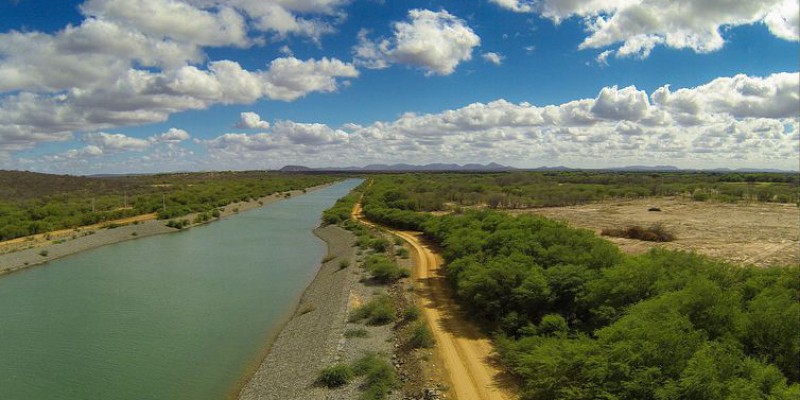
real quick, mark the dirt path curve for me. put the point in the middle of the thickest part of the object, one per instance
(466, 352)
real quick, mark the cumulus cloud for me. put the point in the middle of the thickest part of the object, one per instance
(494, 58)
(116, 141)
(732, 120)
(174, 20)
(140, 61)
(433, 41)
(289, 78)
(637, 26)
(251, 120)
(309, 134)
(172, 136)
(140, 97)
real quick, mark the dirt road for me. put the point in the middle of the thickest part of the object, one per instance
(465, 351)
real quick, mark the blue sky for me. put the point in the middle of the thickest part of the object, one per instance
(102, 86)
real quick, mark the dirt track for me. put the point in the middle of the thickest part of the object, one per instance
(466, 352)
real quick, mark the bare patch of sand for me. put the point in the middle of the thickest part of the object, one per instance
(759, 233)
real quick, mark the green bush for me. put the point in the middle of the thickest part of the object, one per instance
(380, 245)
(378, 311)
(421, 336)
(384, 270)
(401, 252)
(412, 313)
(380, 376)
(357, 333)
(336, 375)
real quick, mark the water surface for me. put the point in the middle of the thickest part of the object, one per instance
(168, 317)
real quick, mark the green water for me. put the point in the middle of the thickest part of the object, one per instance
(177, 316)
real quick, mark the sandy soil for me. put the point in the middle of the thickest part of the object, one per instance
(21, 253)
(760, 233)
(462, 349)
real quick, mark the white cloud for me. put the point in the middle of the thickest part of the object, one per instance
(289, 78)
(172, 136)
(434, 41)
(736, 121)
(174, 20)
(251, 120)
(627, 104)
(309, 134)
(520, 6)
(494, 58)
(739, 121)
(116, 141)
(91, 54)
(784, 20)
(637, 26)
(140, 97)
(139, 61)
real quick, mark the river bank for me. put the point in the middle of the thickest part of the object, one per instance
(316, 336)
(16, 255)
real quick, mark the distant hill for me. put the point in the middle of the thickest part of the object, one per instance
(491, 167)
(294, 168)
(645, 168)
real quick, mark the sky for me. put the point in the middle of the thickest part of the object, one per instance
(139, 86)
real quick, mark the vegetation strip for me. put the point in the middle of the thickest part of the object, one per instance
(576, 319)
(32, 203)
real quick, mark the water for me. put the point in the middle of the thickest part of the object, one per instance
(169, 317)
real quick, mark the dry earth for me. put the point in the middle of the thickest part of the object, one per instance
(759, 233)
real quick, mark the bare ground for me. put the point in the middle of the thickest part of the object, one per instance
(759, 233)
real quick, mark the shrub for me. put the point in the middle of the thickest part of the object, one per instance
(344, 264)
(359, 333)
(384, 270)
(44, 253)
(553, 325)
(336, 375)
(653, 209)
(411, 313)
(655, 233)
(380, 376)
(401, 252)
(700, 196)
(380, 245)
(379, 311)
(421, 336)
(178, 224)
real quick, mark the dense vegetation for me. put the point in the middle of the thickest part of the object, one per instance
(576, 319)
(33, 203)
(434, 192)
